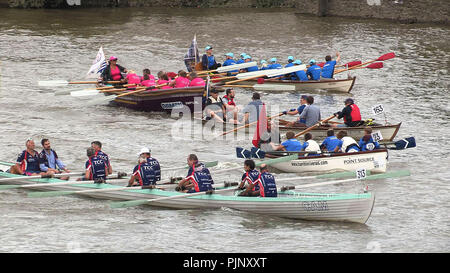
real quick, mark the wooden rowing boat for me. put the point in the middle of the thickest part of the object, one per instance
(163, 100)
(375, 161)
(333, 85)
(388, 132)
(306, 206)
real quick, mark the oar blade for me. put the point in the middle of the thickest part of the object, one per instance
(211, 164)
(258, 153)
(409, 142)
(339, 175)
(375, 65)
(63, 92)
(274, 87)
(127, 204)
(393, 174)
(7, 187)
(350, 64)
(49, 194)
(386, 56)
(243, 153)
(53, 83)
(84, 93)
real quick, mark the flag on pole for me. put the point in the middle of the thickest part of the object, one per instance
(261, 126)
(191, 58)
(98, 65)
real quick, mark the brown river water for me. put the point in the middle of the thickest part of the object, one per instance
(411, 214)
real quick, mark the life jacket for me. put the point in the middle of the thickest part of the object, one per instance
(201, 178)
(29, 163)
(349, 145)
(368, 145)
(145, 174)
(156, 167)
(313, 146)
(252, 178)
(103, 156)
(97, 168)
(266, 185)
(355, 114)
(43, 157)
(230, 100)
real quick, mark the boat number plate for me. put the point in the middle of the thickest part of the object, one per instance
(361, 173)
(172, 105)
(376, 137)
(378, 109)
(315, 205)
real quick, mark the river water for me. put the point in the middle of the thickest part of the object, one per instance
(410, 215)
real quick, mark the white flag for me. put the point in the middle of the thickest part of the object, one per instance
(98, 65)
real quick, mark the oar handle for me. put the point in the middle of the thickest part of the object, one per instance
(248, 124)
(242, 80)
(92, 82)
(314, 126)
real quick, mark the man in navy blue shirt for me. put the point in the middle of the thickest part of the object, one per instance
(313, 71)
(298, 111)
(328, 67)
(331, 142)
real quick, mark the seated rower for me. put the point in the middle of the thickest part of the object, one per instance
(250, 177)
(145, 152)
(248, 59)
(133, 78)
(264, 65)
(328, 67)
(310, 145)
(195, 80)
(300, 122)
(163, 79)
(96, 167)
(350, 113)
(28, 162)
(366, 143)
(291, 144)
(290, 62)
(301, 74)
(208, 60)
(241, 60)
(347, 144)
(329, 144)
(49, 161)
(268, 138)
(230, 61)
(214, 106)
(231, 108)
(311, 113)
(274, 64)
(147, 79)
(143, 174)
(198, 178)
(97, 145)
(181, 81)
(265, 185)
(313, 72)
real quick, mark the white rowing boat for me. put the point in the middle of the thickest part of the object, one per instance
(375, 161)
(306, 206)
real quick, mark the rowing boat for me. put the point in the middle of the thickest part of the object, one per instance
(306, 206)
(388, 132)
(334, 85)
(163, 100)
(375, 161)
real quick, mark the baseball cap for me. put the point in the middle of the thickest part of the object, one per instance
(263, 61)
(208, 47)
(112, 58)
(273, 60)
(312, 61)
(230, 54)
(298, 62)
(290, 58)
(144, 151)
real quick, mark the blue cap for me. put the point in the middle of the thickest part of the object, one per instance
(290, 58)
(273, 60)
(208, 47)
(298, 62)
(247, 57)
(263, 62)
(230, 54)
(312, 61)
(243, 54)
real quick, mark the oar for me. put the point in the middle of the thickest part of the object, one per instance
(349, 64)
(229, 68)
(321, 176)
(96, 91)
(267, 86)
(370, 177)
(377, 65)
(207, 165)
(11, 179)
(45, 183)
(259, 163)
(409, 142)
(384, 57)
(113, 97)
(65, 83)
(133, 203)
(247, 125)
(245, 79)
(314, 126)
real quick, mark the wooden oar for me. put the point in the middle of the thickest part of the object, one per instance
(96, 91)
(245, 79)
(370, 66)
(65, 83)
(113, 97)
(384, 57)
(314, 126)
(11, 179)
(370, 177)
(247, 125)
(267, 86)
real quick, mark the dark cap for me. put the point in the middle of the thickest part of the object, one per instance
(349, 100)
(303, 97)
(214, 90)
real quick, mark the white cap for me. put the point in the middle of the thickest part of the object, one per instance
(144, 151)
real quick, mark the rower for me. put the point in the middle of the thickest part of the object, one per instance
(96, 167)
(241, 60)
(290, 62)
(250, 177)
(330, 142)
(264, 65)
(366, 143)
(274, 64)
(350, 113)
(28, 162)
(198, 178)
(208, 60)
(268, 138)
(133, 78)
(313, 72)
(146, 152)
(328, 67)
(251, 111)
(163, 79)
(299, 122)
(230, 61)
(196, 81)
(311, 113)
(143, 174)
(347, 144)
(265, 185)
(301, 74)
(181, 81)
(310, 145)
(49, 161)
(291, 144)
(248, 59)
(113, 71)
(97, 145)
(214, 106)
(230, 105)
(147, 79)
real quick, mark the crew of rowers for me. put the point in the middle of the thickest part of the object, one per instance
(314, 72)
(166, 80)
(145, 174)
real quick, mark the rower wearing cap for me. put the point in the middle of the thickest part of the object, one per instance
(214, 106)
(290, 62)
(96, 167)
(143, 174)
(313, 71)
(350, 113)
(241, 60)
(274, 64)
(264, 65)
(208, 60)
(153, 162)
(301, 74)
(230, 61)
(248, 59)
(28, 161)
(328, 67)
(113, 71)
(300, 121)
(97, 145)
(198, 178)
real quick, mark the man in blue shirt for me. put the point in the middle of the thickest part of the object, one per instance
(290, 62)
(299, 75)
(298, 111)
(230, 61)
(251, 111)
(49, 161)
(274, 64)
(313, 71)
(241, 60)
(264, 65)
(208, 60)
(248, 59)
(328, 67)
(291, 144)
(331, 142)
